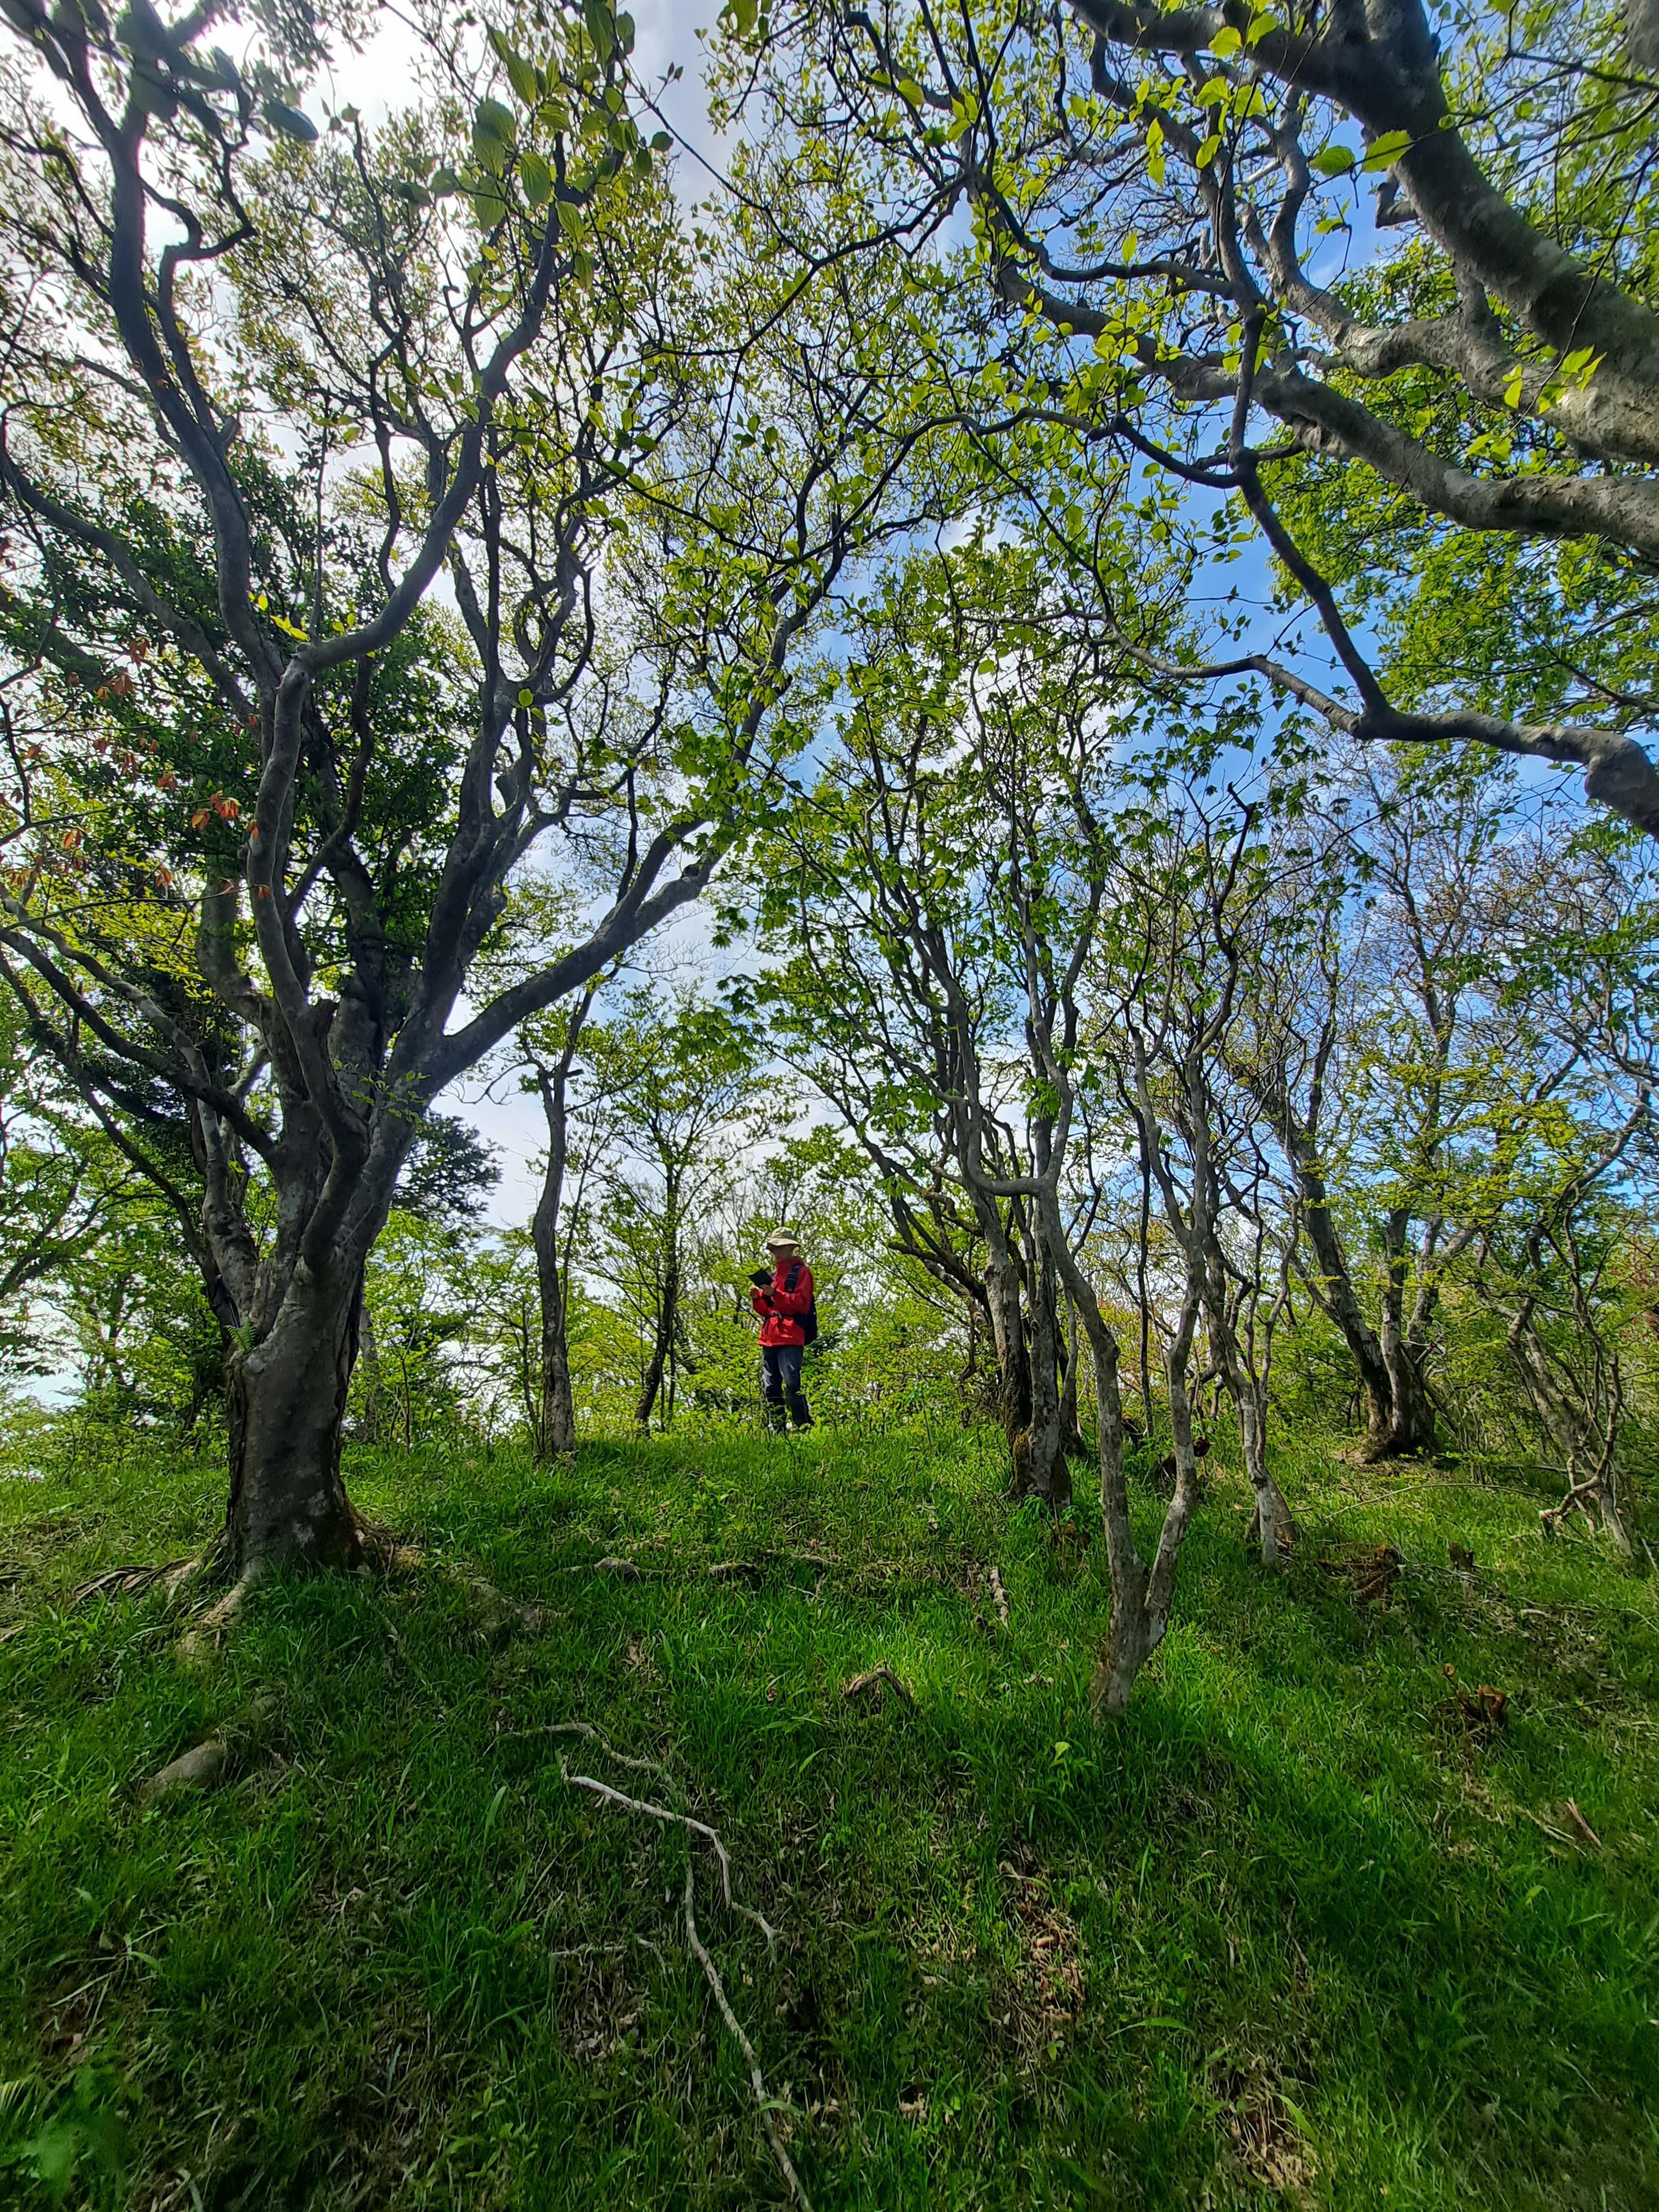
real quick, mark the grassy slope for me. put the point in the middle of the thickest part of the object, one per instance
(1280, 1931)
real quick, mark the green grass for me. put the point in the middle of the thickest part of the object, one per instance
(1282, 1932)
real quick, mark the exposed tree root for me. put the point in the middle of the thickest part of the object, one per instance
(581, 1729)
(1000, 1596)
(701, 1830)
(199, 1644)
(129, 1581)
(869, 1684)
(199, 1768)
(756, 2081)
(497, 1613)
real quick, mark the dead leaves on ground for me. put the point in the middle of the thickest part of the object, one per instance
(1042, 1987)
(1367, 1571)
(1477, 1715)
(1261, 2128)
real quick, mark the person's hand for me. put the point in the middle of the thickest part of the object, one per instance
(761, 1279)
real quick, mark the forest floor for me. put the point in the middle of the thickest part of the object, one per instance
(1301, 1928)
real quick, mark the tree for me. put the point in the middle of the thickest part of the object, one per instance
(1467, 386)
(1165, 1006)
(678, 1081)
(947, 904)
(904, 976)
(270, 387)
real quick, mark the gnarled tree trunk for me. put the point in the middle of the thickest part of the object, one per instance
(286, 1397)
(1008, 1337)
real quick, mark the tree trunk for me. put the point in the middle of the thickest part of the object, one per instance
(1404, 1423)
(1013, 1369)
(667, 1315)
(553, 1431)
(1399, 1420)
(286, 1400)
(1044, 1474)
(1273, 1527)
(1071, 1433)
(1572, 1431)
(1140, 1596)
(557, 1427)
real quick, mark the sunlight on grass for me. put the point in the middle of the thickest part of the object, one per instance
(1287, 1932)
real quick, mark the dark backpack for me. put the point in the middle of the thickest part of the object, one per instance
(808, 1319)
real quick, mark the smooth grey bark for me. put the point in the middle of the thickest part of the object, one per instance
(1142, 1591)
(553, 1428)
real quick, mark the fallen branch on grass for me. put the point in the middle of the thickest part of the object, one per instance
(1579, 1822)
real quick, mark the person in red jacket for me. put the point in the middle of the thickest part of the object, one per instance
(783, 1300)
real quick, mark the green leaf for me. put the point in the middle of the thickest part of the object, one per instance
(661, 142)
(1335, 161)
(1208, 149)
(288, 122)
(601, 27)
(519, 74)
(537, 178)
(492, 134)
(1383, 152)
(526, 697)
(1512, 389)
(1226, 42)
(444, 184)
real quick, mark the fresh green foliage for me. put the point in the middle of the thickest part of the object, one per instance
(1288, 1928)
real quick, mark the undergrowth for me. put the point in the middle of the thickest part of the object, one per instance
(1295, 1930)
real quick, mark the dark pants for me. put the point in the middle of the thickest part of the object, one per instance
(780, 1364)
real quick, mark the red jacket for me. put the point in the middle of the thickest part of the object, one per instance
(779, 1310)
